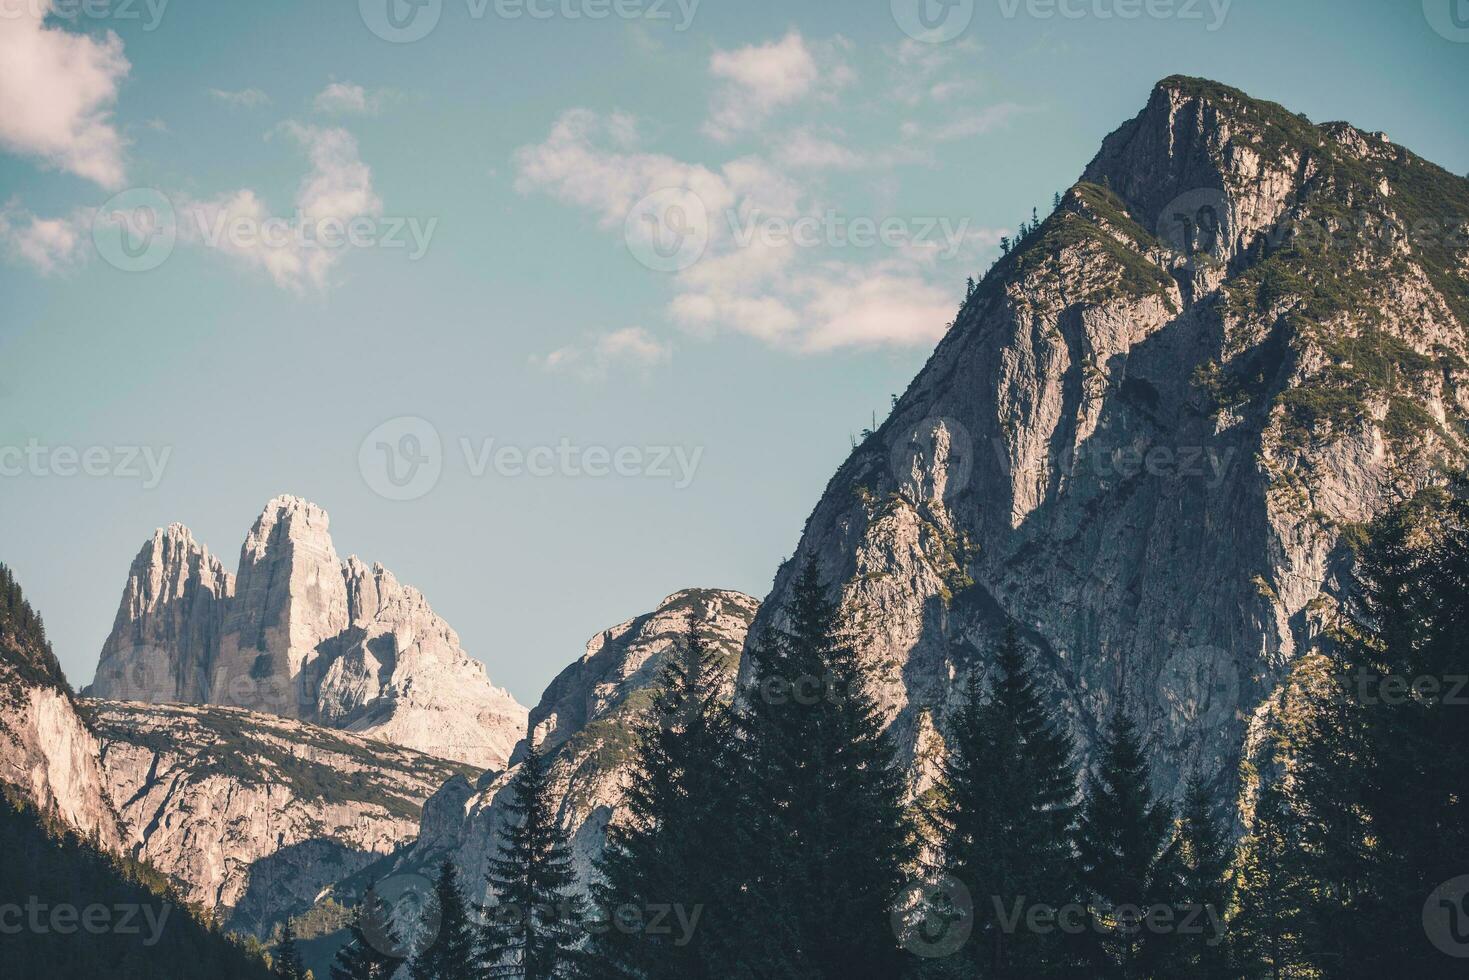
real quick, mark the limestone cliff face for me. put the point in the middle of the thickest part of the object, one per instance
(47, 754)
(300, 633)
(585, 723)
(253, 814)
(1151, 425)
(166, 633)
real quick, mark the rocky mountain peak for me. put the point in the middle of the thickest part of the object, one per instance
(298, 632)
(1151, 424)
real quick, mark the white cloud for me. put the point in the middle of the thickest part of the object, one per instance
(785, 294)
(348, 99)
(49, 245)
(57, 90)
(759, 79)
(631, 348)
(337, 189)
(245, 98)
(965, 125)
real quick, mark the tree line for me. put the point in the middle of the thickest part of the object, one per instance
(770, 838)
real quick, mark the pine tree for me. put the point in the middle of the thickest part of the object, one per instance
(1381, 778)
(1202, 868)
(1124, 850)
(535, 923)
(1007, 795)
(677, 845)
(372, 947)
(1268, 930)
(287, 963)
(451, 953)
(830, 837)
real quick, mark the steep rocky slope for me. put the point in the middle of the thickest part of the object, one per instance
(1153, 424)
(300, 633)
(47, 753)
(253, 814)
(585, 723)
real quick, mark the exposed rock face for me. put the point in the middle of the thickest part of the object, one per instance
(1150, 425)
(164, 638)
(585, 722)
(254, 814)
(47, 753)
(302, 634)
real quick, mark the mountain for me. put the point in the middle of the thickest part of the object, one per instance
(300, 633)
(252, 815)
(1155, 426)
(47, 753)
(585, 722)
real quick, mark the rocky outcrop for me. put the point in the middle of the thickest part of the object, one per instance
(300, 633)
(253, 814)
(1151, 426)
(166, 633)
(585, 722)
(47, 754)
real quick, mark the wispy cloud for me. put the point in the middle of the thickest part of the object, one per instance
(759, 79)
(344, 98)
(336, 190)
(770, 287)
(245, 98)
(57, 91)
(48, 245)
(629, 349)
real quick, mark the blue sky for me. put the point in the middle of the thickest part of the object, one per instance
(647, 248)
